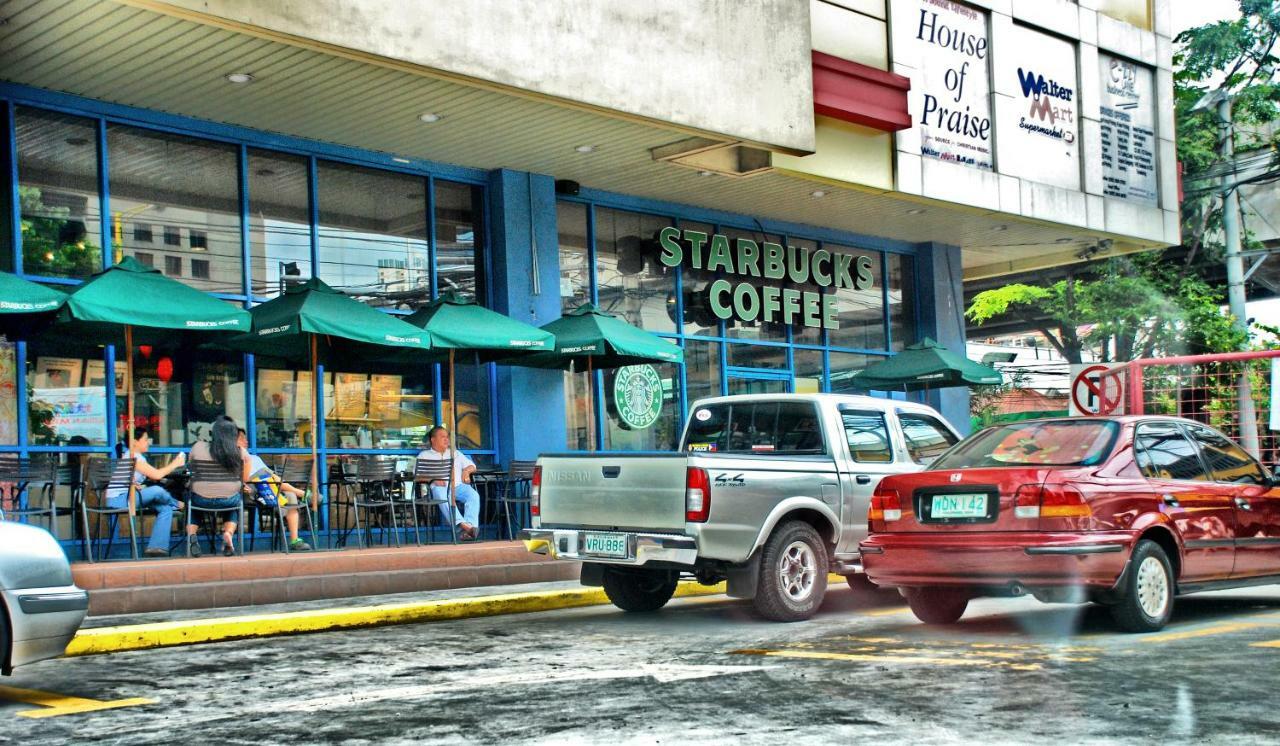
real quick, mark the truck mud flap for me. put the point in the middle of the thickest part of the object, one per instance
(743, 579)
(592, 574)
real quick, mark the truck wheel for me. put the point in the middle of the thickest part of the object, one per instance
(1146, 593)
(793, 573)
(937, 605)
(639, 590)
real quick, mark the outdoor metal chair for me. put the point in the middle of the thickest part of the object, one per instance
(375, 494)
(294, 473)
(24, 502)
(71, 476)
(516, 496)
(212, 471)
(107, 474)
(426, 471)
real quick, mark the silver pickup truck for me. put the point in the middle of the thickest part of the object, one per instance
(768, 492)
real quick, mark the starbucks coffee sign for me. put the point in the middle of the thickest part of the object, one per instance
(754, 297)
(637, 395)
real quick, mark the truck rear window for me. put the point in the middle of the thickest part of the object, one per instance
(767, 427)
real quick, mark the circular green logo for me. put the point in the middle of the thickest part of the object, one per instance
(637, 395)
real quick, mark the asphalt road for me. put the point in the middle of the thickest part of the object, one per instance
(700, 671)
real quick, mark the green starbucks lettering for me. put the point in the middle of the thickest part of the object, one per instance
(748, 301)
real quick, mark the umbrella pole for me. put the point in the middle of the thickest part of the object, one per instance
(453, 408)
(128, 430)
(315, 425)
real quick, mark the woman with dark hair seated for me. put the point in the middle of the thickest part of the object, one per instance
(223, 450)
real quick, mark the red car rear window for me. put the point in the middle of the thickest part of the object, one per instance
(1042, 443)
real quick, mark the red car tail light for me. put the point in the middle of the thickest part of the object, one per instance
(886, 505)
(1026, 501)
(1063, 501)
(535, 490)
(697, 495)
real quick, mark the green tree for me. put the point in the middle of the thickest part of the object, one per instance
(53, 244)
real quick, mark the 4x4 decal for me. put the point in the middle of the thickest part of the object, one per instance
(724, 480)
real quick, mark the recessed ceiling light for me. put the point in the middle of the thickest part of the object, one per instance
(916, 211)
(429, 117)
(704, 173)
(1064, 240)
(239, 78)
(585, 149)
(999, 228)
(817, 194)
(265, 172)
(401, 160)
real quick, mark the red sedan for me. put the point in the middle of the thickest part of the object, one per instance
(1123, 511)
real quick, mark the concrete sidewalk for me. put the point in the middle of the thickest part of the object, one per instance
(120, 633)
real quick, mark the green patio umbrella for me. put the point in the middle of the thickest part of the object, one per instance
(458, 324)
(311, 322)
(925, 365)
(26, 305)
(132, 303)
(601, 340)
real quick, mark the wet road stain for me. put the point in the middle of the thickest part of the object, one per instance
(932, 652)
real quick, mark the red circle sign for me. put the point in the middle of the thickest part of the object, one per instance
(1093, 393)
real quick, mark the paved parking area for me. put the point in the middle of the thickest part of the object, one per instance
(701, 671)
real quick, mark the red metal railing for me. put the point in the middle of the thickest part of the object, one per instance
(1230, 391)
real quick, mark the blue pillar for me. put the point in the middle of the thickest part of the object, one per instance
(526, 274)
(940, 290)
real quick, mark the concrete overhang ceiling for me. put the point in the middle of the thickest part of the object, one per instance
(141, 53)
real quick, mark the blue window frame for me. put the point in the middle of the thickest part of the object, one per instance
(244, 142)
(790, 355)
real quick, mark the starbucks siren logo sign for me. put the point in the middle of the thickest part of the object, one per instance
(637, 395)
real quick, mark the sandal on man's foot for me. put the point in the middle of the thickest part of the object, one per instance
(298, 545)
(193, 546)
(228, 546)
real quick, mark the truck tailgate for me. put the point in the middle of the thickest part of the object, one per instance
(613, 491)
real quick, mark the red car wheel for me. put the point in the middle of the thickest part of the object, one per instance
(937, 605)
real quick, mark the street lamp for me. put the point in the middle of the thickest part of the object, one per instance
(286, 270)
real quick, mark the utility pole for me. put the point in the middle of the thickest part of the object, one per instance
(1235, 272)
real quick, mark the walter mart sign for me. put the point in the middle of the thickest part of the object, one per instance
(1041, 129)
(751, 296)
(952, 82)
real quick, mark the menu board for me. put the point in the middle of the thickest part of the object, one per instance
(1127, 120)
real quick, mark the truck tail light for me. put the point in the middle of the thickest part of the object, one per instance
(697, 495)
(535, 490)
(886, 505)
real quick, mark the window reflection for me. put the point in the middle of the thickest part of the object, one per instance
(698, 318)
(575, 271)
(178, 393)
(902, 310)
(459, 244)
(58, 194)
(188, 190)
(632, 283)
(373, 234)
(279, 221)
(861, 311)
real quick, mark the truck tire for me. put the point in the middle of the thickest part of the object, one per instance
(1146, 591)
(639, 590)
(937, 605)
(793, 573)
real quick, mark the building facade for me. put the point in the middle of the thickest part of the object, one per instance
(789, 190)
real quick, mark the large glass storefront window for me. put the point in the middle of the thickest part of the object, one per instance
(843, 366)
(459, 244)
(755, 330)
(575, 267)
(701, 369)
(472, 394)
(373, 234)
(631, 283)
(279, 221)
(808, 367)
(580, 426)
(861, 311)
(175, 206)
(902, 308)
(67, 394)
(178, 393)
(58, 194)
(698, 318)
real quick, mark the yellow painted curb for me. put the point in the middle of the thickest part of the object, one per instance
(195, 631)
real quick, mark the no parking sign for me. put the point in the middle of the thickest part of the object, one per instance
(1094, 394)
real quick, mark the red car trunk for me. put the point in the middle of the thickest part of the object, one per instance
(1023, 498)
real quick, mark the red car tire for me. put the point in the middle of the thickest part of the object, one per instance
(1146, 590)
(937, 605)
